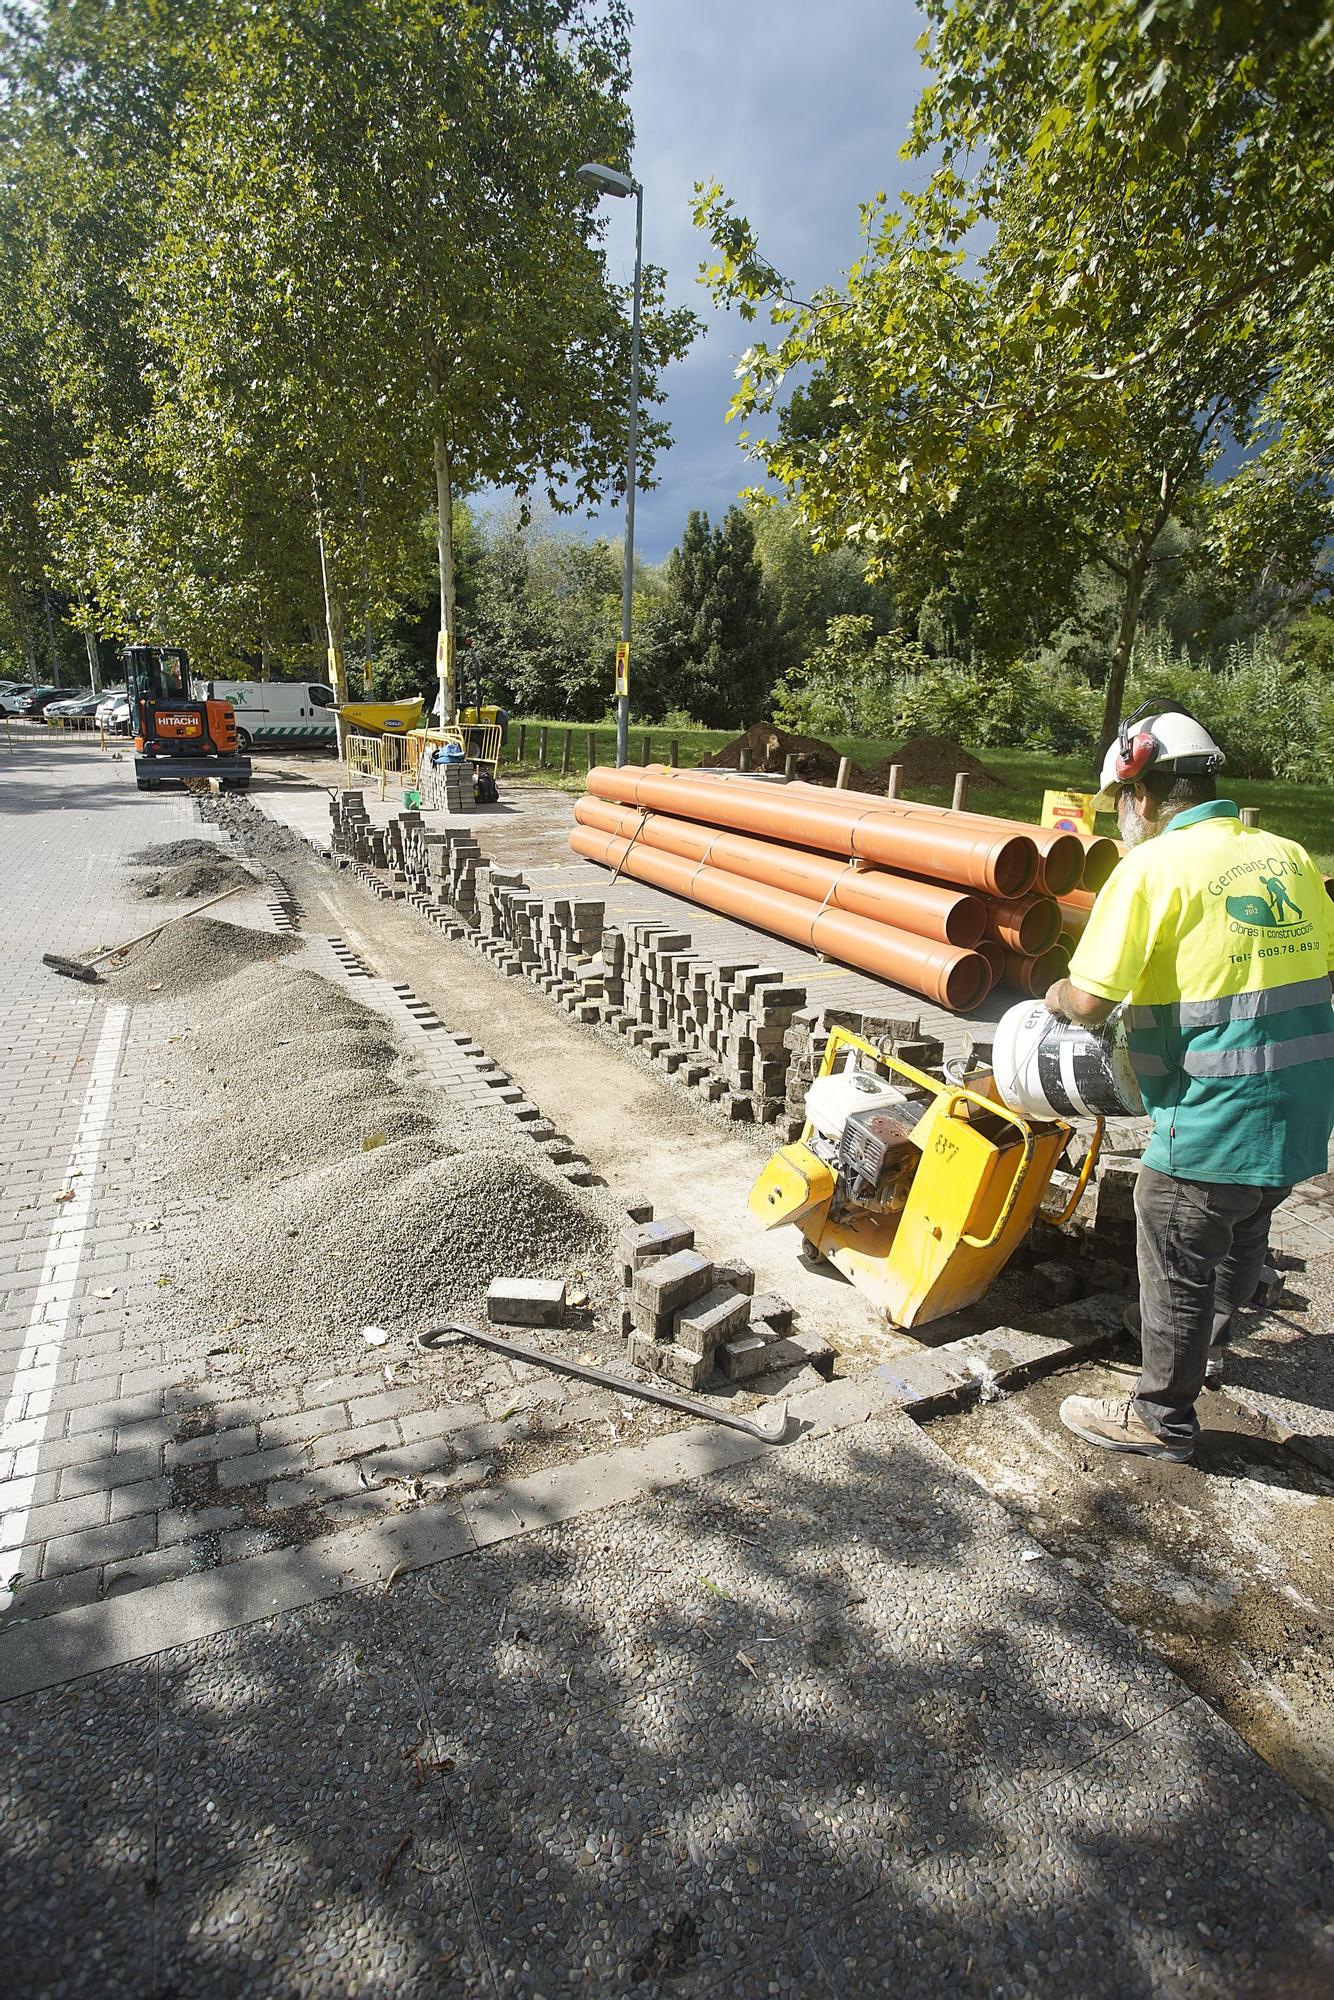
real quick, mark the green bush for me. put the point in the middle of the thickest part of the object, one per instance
(1272, 716)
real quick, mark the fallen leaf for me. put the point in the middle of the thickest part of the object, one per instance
(66, 1194)
(404, 1843)
(749, 1665)
(399, 1569)
(372, 1140)
(716, 1588)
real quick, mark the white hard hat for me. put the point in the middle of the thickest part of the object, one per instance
(1170, 741)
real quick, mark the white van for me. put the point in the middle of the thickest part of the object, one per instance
(278, 711)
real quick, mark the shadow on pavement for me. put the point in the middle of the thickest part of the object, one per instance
(824, 1724)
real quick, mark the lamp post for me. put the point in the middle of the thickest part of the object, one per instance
(607, 180)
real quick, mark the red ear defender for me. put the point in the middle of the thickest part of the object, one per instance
(1135, 754)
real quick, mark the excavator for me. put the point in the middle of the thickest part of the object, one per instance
(177, 737)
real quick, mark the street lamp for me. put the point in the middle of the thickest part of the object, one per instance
(607, 180)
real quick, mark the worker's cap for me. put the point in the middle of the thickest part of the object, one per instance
(1169, 741)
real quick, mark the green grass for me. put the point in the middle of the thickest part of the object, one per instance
(1302, 812)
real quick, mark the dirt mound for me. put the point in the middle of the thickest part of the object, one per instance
(932, 760)
(198, 878)
(770, 747)
(170, 853)
(195, 953)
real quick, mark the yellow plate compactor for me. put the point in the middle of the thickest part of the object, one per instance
(918, 1190)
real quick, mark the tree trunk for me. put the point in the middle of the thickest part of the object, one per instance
(444, 652)
(333, 625)
(444, 508)
(1114, 695)
(90, 641)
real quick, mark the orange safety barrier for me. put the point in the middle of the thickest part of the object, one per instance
(952, 978)
(951, 915)
(964, 852)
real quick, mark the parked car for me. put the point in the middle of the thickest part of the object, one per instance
(41, 698)
(113, 713)
(20, 702)
(74, 708)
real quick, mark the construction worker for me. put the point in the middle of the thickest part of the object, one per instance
(1218, 939)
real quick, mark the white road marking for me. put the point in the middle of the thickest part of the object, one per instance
(23, 1425)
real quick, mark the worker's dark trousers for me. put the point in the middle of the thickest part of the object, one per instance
(1201, 1246)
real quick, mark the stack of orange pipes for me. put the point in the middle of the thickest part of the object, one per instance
(943, 905)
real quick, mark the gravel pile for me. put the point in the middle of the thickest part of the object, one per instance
(200, 877)
(196, 953)
(306, 1234)
(251, 831)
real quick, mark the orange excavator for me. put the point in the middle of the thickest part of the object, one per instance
(177, 737)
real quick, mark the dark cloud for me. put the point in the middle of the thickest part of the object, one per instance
(799, 111)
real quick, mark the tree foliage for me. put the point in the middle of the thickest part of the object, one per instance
(1119, 266)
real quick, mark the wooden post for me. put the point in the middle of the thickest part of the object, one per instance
(565, 753)
(960, 803)
(592, 746)
(743, 758)
(674, 752)
(523, 740)
(646, 750)
(542, 736)
(844, 773)
(790, 765)
(1250, 815)
(895, 780)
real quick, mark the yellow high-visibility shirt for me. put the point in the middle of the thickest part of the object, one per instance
(1220, 940)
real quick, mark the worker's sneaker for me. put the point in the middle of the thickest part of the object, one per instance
(1215, 1366)
(1113, 1423)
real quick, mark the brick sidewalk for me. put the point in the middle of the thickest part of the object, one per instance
(131, 1455)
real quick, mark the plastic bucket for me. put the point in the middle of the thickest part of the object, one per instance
(1048, 1068)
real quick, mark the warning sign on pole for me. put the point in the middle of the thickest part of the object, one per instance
(623, 667)
(1071, 811)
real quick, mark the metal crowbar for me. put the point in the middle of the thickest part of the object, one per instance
(453, 1331)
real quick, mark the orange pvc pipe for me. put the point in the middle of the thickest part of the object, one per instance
(1003, 865)
(1075, 910)
(1061, 859)
(952, 916)
(1034, 975)
(1100, 857)
(995, 955)
(1026, 924)
(940, 972)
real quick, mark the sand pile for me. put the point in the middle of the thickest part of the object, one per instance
(817, 763)
(932, 760)
(195, 953)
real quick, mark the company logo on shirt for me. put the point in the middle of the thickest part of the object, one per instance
(1269, 905)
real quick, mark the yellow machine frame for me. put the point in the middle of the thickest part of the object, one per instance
(970, 1198)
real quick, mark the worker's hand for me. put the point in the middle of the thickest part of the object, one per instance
(1055, 1000)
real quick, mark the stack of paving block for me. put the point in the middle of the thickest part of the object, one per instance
(350, 832)
(685, 1318)
(449, 787)
(808, 1032)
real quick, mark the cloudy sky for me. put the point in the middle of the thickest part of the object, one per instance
(799, 111)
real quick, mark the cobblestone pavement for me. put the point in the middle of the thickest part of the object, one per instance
(132, 1455)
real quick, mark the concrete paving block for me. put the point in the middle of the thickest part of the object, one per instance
(773, 1310)
(712, 1318)
(673, 1282)
(741, 1358)
(526, 1301)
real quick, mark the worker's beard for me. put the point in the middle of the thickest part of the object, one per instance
(1134, 828)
